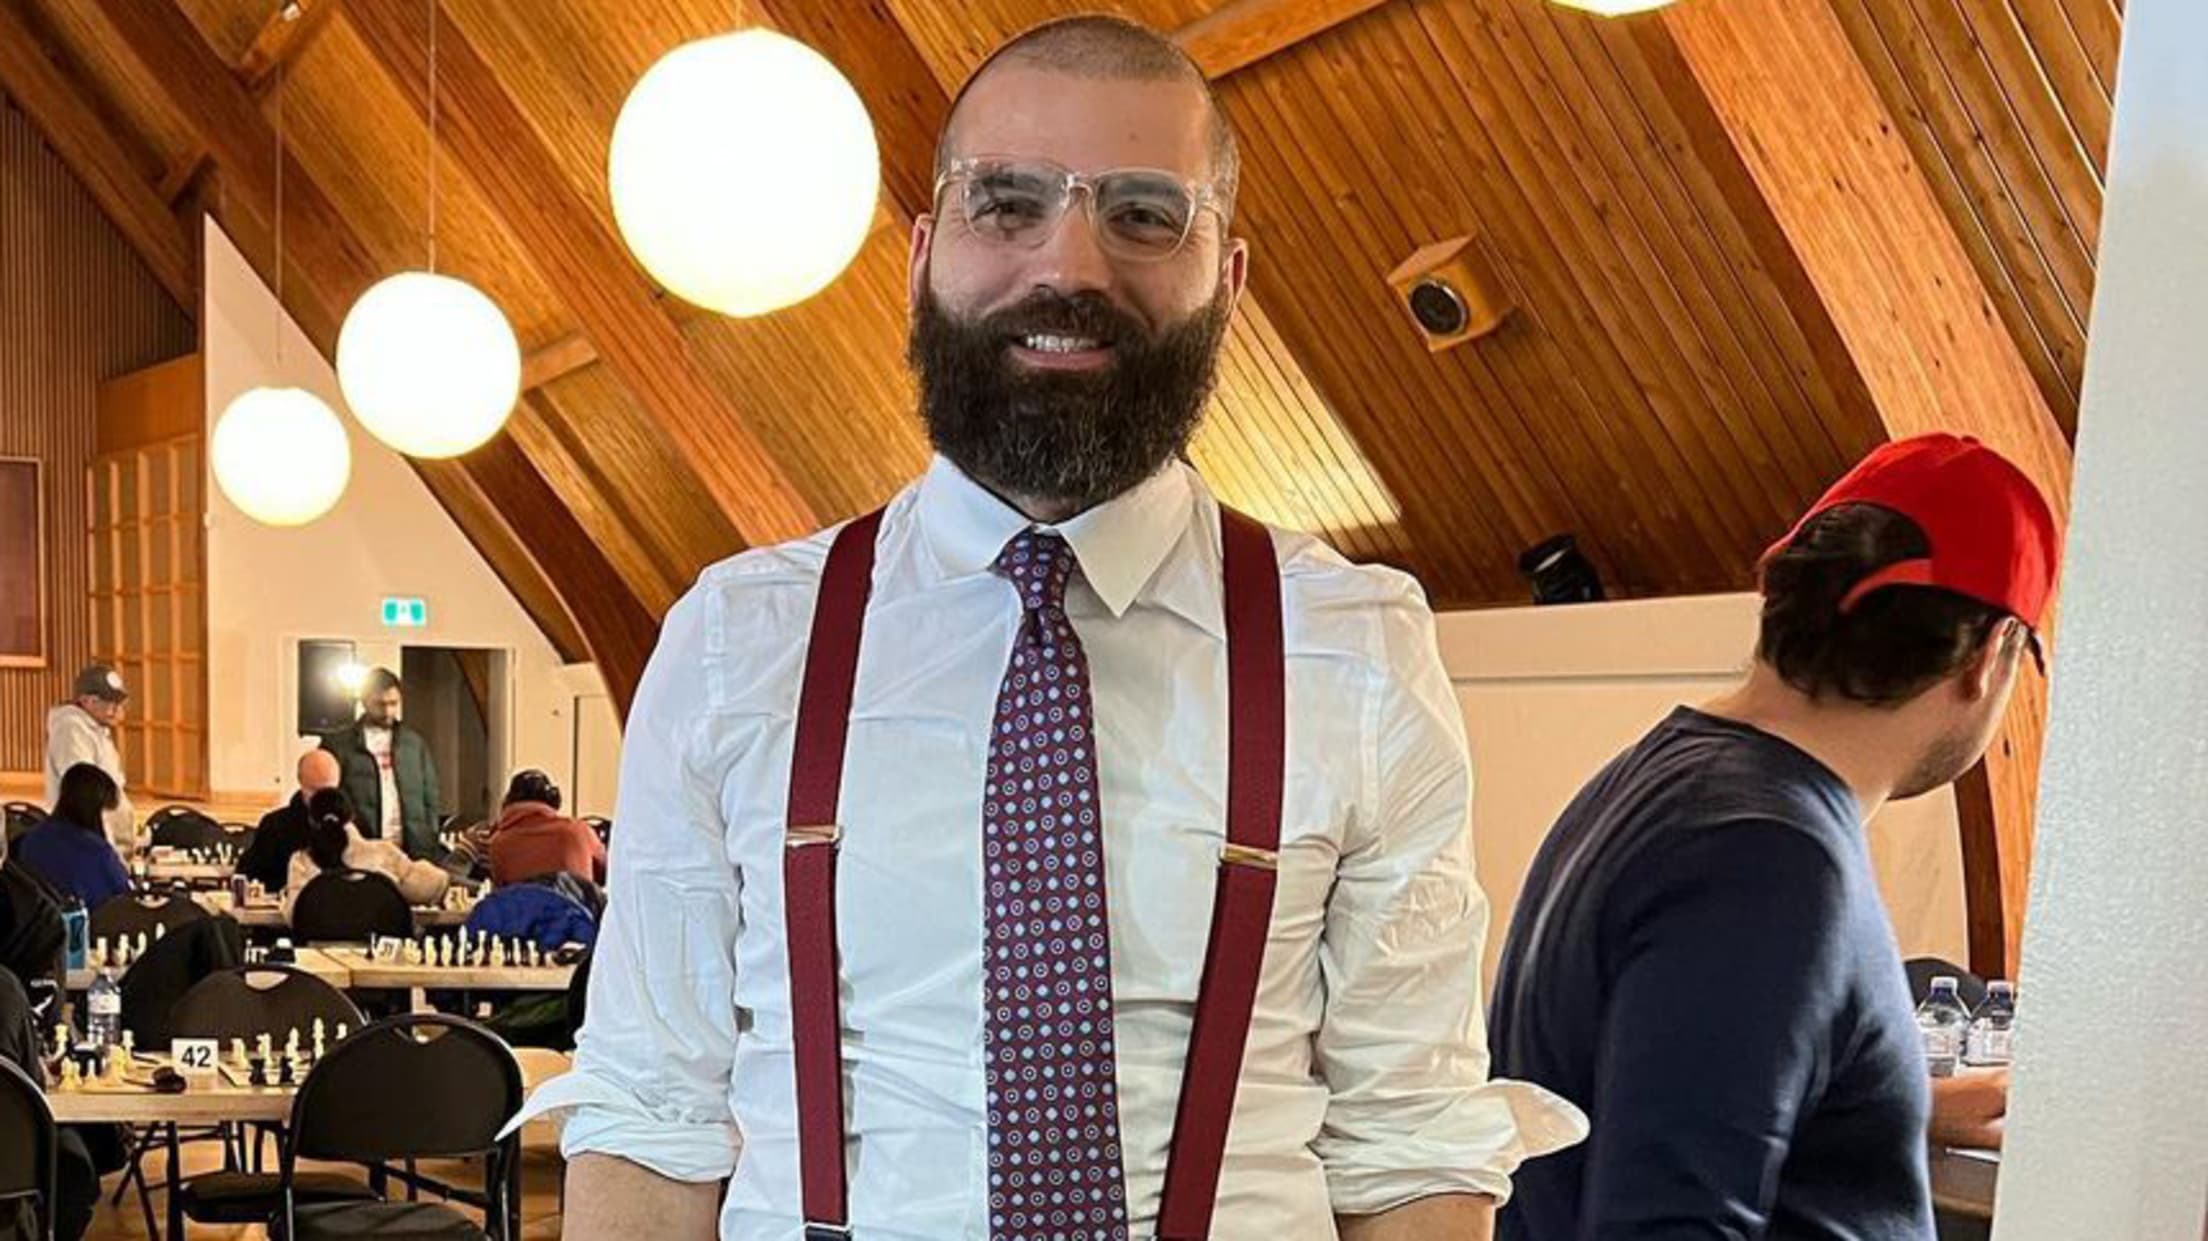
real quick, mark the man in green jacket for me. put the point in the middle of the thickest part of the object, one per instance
(387, 771)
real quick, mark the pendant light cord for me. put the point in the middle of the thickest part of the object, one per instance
(280, 76)
(433, 135)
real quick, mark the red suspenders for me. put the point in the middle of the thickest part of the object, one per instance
(1241, 913)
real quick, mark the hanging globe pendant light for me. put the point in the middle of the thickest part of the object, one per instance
(428, 364)
(279, 453)
(743, 172)
(1613, 8)
(281, 456)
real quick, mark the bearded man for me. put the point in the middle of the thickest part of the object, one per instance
(1118, 883)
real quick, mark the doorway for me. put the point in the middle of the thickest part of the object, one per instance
(456, 699)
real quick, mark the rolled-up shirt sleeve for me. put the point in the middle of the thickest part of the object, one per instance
(1403, 1043)
(653, 1059)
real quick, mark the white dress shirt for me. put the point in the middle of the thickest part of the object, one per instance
(1364, 1085)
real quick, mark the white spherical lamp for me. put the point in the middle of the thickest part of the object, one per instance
(743, 172)
(1613, 8)
(428, 364)
(281, 456)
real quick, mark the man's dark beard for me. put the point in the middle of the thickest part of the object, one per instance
(1068, 437)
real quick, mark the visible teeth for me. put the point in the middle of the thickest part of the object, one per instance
(1059, 344)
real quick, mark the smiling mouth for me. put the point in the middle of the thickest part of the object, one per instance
(1061, 351)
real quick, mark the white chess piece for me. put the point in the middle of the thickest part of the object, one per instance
(160, 929)
(341, 1031)
(130, 1045)
(71, 1079)
(237, 1054)
(143, 943)
(100, 957)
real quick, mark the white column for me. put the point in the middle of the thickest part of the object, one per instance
(2108, 1133)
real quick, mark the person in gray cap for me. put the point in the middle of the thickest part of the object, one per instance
(82, 730)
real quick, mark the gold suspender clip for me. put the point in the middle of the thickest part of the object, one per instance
(1231, 854)
(813, 834)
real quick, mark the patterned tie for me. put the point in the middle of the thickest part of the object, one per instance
(1054, 1171)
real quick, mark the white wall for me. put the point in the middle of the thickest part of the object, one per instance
(1551, 694)
(2107, 1136)
(268, 588)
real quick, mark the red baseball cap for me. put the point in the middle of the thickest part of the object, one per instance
(1992, 536)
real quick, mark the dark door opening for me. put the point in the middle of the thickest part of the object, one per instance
(451, 700)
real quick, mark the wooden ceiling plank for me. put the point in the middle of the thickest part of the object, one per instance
(511, 562)
(2054, 220)
(1795, 322)
(863, 38)
(580, 258)
(1984, 214)
(1587, 356)
(1778, 473)
(1842, 181)
(556, 361)
(61, 111)
(1728, 319)
(2098, 25)
(2051, 139)
(2085, 100)
(1484, 60)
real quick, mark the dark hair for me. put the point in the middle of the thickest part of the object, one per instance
(86, 795)
(1895, 644)
(1099, 46)
(532, 785)
(328, 813)
(379, 680)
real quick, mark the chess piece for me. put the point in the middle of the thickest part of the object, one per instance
(413, 952)
(237, 1054)
(71, 1079)
(321, 1041)
(159, 929)
(260, 1072)
(100, 950)
(112, 1068)
(263, 1046)
(143, 944)
(291, 1043)
(290, 1069)
(341, 1031)
(130, 1045)
(61, 1040)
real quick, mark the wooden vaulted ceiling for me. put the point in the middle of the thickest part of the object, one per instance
(1693, 356)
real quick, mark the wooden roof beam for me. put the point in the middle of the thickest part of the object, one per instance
(1244, 32)
(1861, 220)
(285, 35)
(337, 267)
(58, 107)
(580, 257)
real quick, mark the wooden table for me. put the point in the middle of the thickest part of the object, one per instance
(189, 872)
(270, 915)
(314, 961)
(1963, 1181)
(368, 974)
(214, 1098)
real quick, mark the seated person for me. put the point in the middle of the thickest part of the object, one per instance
(31, 930)
(70, 850)
(533, 839)
(283, 831)
(334, 842)
(78, 1188)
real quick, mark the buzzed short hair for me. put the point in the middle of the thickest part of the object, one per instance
(1099, 46)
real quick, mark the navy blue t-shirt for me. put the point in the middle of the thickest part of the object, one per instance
(1701, 961)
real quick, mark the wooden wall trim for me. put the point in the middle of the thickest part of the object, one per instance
(1244, 32)
(1916, 318)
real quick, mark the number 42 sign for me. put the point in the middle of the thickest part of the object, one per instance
(194, 1055)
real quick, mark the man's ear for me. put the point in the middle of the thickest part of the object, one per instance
(916, 277)
(1995, 660)
(1235, 272)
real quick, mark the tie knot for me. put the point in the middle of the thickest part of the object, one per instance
(1039, 564)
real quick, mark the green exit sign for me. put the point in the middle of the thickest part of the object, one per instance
(404, 613)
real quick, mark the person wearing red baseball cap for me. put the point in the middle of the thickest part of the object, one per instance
(1700, 959)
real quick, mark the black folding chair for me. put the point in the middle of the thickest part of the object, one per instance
(244, 1003)
(181, 827)
(139, 913)
(22, 817)
(28, 1150)
(151, 988)
(340, 905)
(462, 1084)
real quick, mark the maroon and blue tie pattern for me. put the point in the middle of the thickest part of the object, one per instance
(1054, 1159)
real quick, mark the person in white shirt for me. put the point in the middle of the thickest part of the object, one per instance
(993, 988)
(82, 730)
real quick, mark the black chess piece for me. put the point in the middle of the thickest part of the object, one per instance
(260, 1072)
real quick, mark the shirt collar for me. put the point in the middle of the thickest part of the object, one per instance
(1120, 543)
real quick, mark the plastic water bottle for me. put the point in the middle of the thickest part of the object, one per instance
(1942, 1019)
(103, 1027)
(1993, 1030)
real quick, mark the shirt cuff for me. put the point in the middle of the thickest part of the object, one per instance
(1471, 1148)
(605, 1120)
